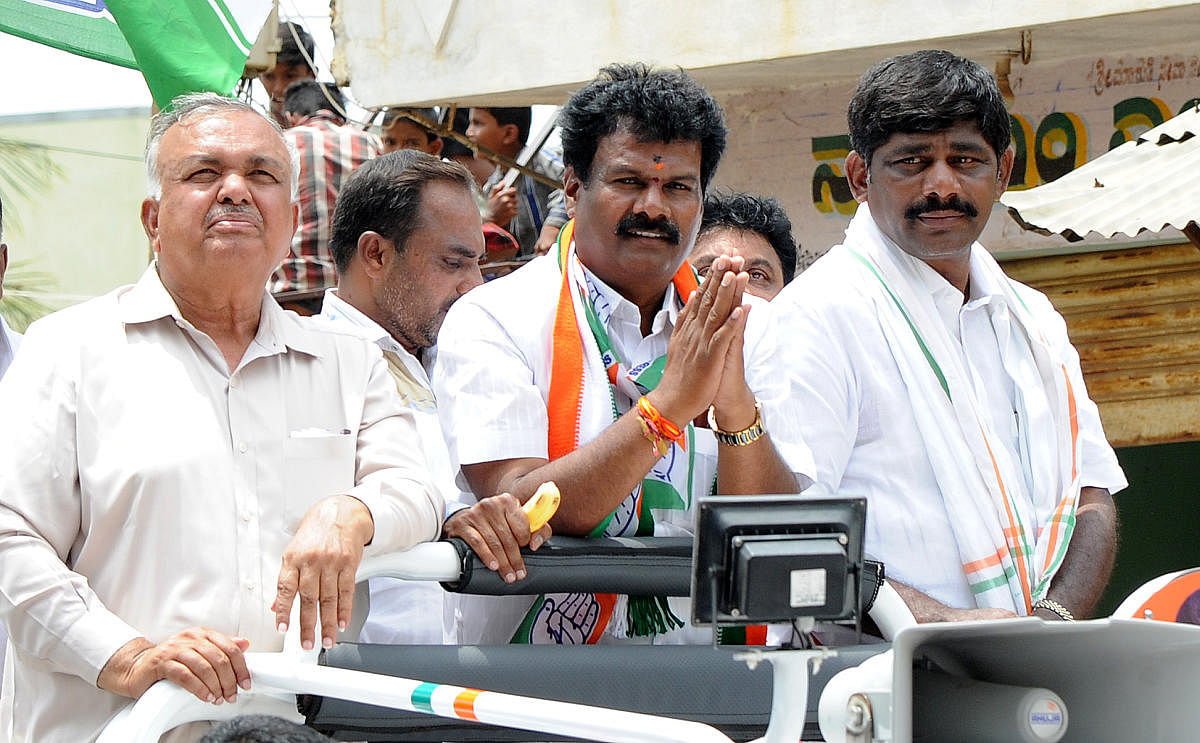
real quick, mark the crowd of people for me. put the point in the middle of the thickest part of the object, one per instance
(183, 459)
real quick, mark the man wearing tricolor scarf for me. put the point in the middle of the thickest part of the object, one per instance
(930, 382)
(595, 365)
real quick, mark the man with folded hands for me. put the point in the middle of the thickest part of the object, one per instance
(601, 365)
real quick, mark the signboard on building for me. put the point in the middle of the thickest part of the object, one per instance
(792, 143)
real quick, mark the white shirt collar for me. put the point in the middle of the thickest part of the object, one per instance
(339, 312)
(336, 309)
(148, 300)
(612, 306)
(946, 297)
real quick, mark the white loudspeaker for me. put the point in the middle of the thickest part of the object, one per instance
(1036, 681)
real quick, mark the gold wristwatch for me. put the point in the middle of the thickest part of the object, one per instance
(742, 437)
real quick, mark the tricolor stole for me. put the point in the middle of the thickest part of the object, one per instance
(583, 618)
(1012, 565)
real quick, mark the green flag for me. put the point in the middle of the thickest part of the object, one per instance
(180, 46)
(79, 27)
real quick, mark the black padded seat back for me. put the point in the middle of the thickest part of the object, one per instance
(638, 566)
(696, 683)
(644, 566)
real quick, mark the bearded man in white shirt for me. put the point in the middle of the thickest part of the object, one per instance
(182, 460)
(588, 366)
(930, 382)
(407, 239)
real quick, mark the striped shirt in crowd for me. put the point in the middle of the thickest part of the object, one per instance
(329, 153)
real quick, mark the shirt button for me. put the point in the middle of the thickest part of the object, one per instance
(243, 448)
(246, 516)
(250, 585)
(233, 383)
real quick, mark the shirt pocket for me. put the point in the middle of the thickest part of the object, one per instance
(316, 466)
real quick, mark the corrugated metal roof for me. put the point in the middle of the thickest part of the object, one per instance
(1146, 184)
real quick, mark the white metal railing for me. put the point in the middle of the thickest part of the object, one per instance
(278, 677)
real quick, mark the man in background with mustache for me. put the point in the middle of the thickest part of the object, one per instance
(588, 366)
(930, 382)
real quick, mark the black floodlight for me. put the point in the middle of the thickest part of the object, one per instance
(775, 558)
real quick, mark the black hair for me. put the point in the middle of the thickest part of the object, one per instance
(452, 147)
(290, 53)
(261, 729)
(926, 91)
(390, 116)
(653, 105)
(753, 213)
(306, 97)
(520, 116)
(383, 195)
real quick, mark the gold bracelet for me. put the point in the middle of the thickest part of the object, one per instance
(1053, 606)
(742, 437)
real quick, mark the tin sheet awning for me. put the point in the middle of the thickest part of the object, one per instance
(1147, 184)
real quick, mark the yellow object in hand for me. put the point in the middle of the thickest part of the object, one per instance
(542, 505)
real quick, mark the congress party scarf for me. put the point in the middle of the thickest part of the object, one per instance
(1008, 556)
(586, 374)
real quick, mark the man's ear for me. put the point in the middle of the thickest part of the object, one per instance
(286, 248)
(856, 174)
(510, 134)
(571, 182)
(3, 265)
(295, 220)
(1005, 170)
(436, 146)
(150, 208)
(374, 253)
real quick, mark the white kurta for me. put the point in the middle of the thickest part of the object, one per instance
(858, 417)
(144, 489)
(492, 379)
(402, 612)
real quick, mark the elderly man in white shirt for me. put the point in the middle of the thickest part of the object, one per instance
(182, 460)
(407, 240)
(589, 365)
(930, 382)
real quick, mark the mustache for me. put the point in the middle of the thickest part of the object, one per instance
(221, 210)
(640, 222)
(936, 204)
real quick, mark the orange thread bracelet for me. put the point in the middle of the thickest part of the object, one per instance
(658, 443)
(657, 429)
